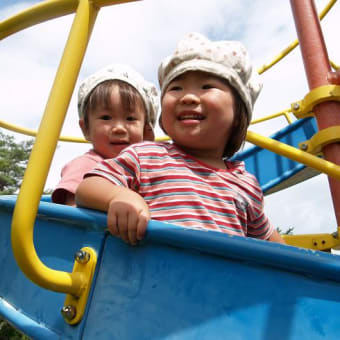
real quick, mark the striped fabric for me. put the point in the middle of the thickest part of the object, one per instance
(181, 190)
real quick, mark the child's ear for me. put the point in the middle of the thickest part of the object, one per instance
(148, 133)
(84, 129)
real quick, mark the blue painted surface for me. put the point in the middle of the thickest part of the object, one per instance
(271, 169)
(59, 232)
(164, 292)
(177, 284)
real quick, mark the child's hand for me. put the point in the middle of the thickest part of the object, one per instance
(127, 217)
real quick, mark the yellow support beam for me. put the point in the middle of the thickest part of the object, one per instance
(29, 132)
(40, 160)
(295, 43)
(295, 154)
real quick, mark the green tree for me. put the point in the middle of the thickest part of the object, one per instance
(13, 160)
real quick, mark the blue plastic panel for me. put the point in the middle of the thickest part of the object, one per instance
(213, 286)
(271, 169)
(59, 232)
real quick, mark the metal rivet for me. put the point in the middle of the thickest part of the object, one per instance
(303, 146)
(69, 312)
(296, 106)
(82, 256)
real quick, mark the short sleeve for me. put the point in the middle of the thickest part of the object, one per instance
(123, 170)
(72, 174)
(259, 225)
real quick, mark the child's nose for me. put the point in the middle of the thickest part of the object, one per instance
(190, 98)
(118, 128)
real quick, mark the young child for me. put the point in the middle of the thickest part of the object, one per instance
(208, 91)
(117, 107)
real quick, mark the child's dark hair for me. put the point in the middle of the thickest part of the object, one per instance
(100, 96)
(240, 125)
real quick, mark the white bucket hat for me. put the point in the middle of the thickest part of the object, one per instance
(226, 59)
(147, 90)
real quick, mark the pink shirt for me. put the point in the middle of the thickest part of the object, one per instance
(72, 174)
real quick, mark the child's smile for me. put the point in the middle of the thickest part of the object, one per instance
(198, 112)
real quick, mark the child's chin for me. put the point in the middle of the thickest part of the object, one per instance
(117, 148)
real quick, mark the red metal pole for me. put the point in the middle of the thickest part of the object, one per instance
(317, 67)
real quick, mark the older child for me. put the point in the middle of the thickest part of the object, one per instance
(117, 107)
(208, 92)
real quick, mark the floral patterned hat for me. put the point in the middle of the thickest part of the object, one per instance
(226, 59)
(147, 90)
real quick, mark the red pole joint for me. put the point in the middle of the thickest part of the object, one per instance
(317, 68)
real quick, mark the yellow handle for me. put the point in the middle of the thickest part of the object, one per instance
(40, 160)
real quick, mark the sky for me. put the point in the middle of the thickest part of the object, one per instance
(141, 34)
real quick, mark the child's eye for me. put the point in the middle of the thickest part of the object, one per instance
(105, 117)
(207, 86)
(131, 118)
(174, 88)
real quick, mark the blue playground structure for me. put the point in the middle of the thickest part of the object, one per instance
(63, 276)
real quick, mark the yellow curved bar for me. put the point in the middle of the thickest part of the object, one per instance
(272, 116)
(36, 14)
(29, 132)
(335, 66)
(40, 160)
(295, 154)
(44, 11)
(295, 43)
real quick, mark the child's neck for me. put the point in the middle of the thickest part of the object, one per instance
(212, 159)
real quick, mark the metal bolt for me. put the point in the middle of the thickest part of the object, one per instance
(82, 256)
(303, 146)
(69, 312)
(296, 106)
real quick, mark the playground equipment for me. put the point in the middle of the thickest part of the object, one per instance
(179, 283)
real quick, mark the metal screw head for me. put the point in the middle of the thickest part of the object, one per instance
(296, 106)
(303, 146)
(82, 256)
(69, 312)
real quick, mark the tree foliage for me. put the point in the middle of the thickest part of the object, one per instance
(289, 231)
(13, 160)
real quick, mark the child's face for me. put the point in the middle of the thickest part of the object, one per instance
(198, 112)
(112, 130)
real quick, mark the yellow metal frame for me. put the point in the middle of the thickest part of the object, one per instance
(77, 283)
(284, 113)
(323, 242)
(295, 154)
(304, 107)
(321, 139)
(29, 132)
(295, 43)
(86, 270)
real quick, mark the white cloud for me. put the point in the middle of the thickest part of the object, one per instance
(141, 34)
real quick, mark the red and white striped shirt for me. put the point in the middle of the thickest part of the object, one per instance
(181, 190)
